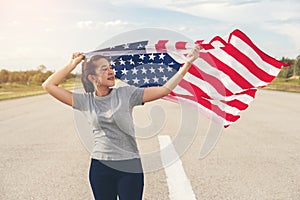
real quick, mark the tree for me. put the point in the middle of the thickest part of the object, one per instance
(296, 66)
(4, 76)
(287, 72)
(42, 68)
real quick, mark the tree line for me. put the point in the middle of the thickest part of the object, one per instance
(28, 77)
(292, 70)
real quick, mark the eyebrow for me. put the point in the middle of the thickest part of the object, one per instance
(103, 66)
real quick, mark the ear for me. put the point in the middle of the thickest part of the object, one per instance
(91, 78)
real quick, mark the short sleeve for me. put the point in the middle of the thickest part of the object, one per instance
(81, 101)
(136, 95)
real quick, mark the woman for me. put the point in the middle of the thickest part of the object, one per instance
(115, 162)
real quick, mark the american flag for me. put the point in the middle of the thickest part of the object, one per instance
(220, 83)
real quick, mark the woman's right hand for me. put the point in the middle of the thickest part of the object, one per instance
(52, 82)
(77, 57)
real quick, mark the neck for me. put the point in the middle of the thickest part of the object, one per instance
(103, 91)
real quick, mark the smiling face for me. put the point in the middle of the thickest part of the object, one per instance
(104, 74)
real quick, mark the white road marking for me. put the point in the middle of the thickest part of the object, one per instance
(178, 183)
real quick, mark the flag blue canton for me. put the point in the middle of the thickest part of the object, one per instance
(137, 67)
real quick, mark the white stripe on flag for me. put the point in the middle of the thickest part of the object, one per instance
(205, 86)
(244, 98)
(250, 53)
(226, 80)
(206, 112)
(238, 67)
(221, 105)
(181, 90)
(229, 109)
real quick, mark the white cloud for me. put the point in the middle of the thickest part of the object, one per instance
(89, 24)
(116, 23)
(86, 24)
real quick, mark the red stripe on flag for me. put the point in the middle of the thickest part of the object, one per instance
(234, 76)
(198, 93)
(248, 63)
(193, 89)
(216, 83)
(236, 104)
(160, 46)
(227, 116)
(263, 55)
(219, 39)
(180, 45)
(251, 92)
(203, 46)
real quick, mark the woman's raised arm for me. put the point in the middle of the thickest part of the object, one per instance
(52, 82)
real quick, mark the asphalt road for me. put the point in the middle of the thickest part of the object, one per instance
(42, 157)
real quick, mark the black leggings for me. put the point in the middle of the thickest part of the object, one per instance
(108, 182)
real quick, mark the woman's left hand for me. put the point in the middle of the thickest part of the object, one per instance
(193, 55)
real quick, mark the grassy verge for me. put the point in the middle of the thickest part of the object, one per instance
(284, 84)
(17, 90)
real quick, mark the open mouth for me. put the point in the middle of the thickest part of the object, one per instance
(111, 78)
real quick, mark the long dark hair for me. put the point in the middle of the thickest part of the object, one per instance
(89, 68)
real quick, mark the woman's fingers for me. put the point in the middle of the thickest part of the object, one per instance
(77, 54)
(194, 54)
(196, 51)
(77, 57)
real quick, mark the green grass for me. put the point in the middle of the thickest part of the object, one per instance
(17, 90)
(285, 81)
(284, 84)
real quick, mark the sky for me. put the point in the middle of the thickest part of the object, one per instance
(47, 32)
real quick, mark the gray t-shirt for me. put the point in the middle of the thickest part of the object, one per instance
(111, 120)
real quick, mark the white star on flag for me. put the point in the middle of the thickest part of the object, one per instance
(140, 46)
(155, 79)
(122, 62)
(136, 80)
(142, 57)
(161, 56)
(151, 56)
(152, 70)
(124, 71)
(169, 69)
(134, 70)
(126, 46)
(164, 78)
(131, 62)
(160, 69)
(125, 80)
(146, 80)
(144, 70)
(112, 63)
